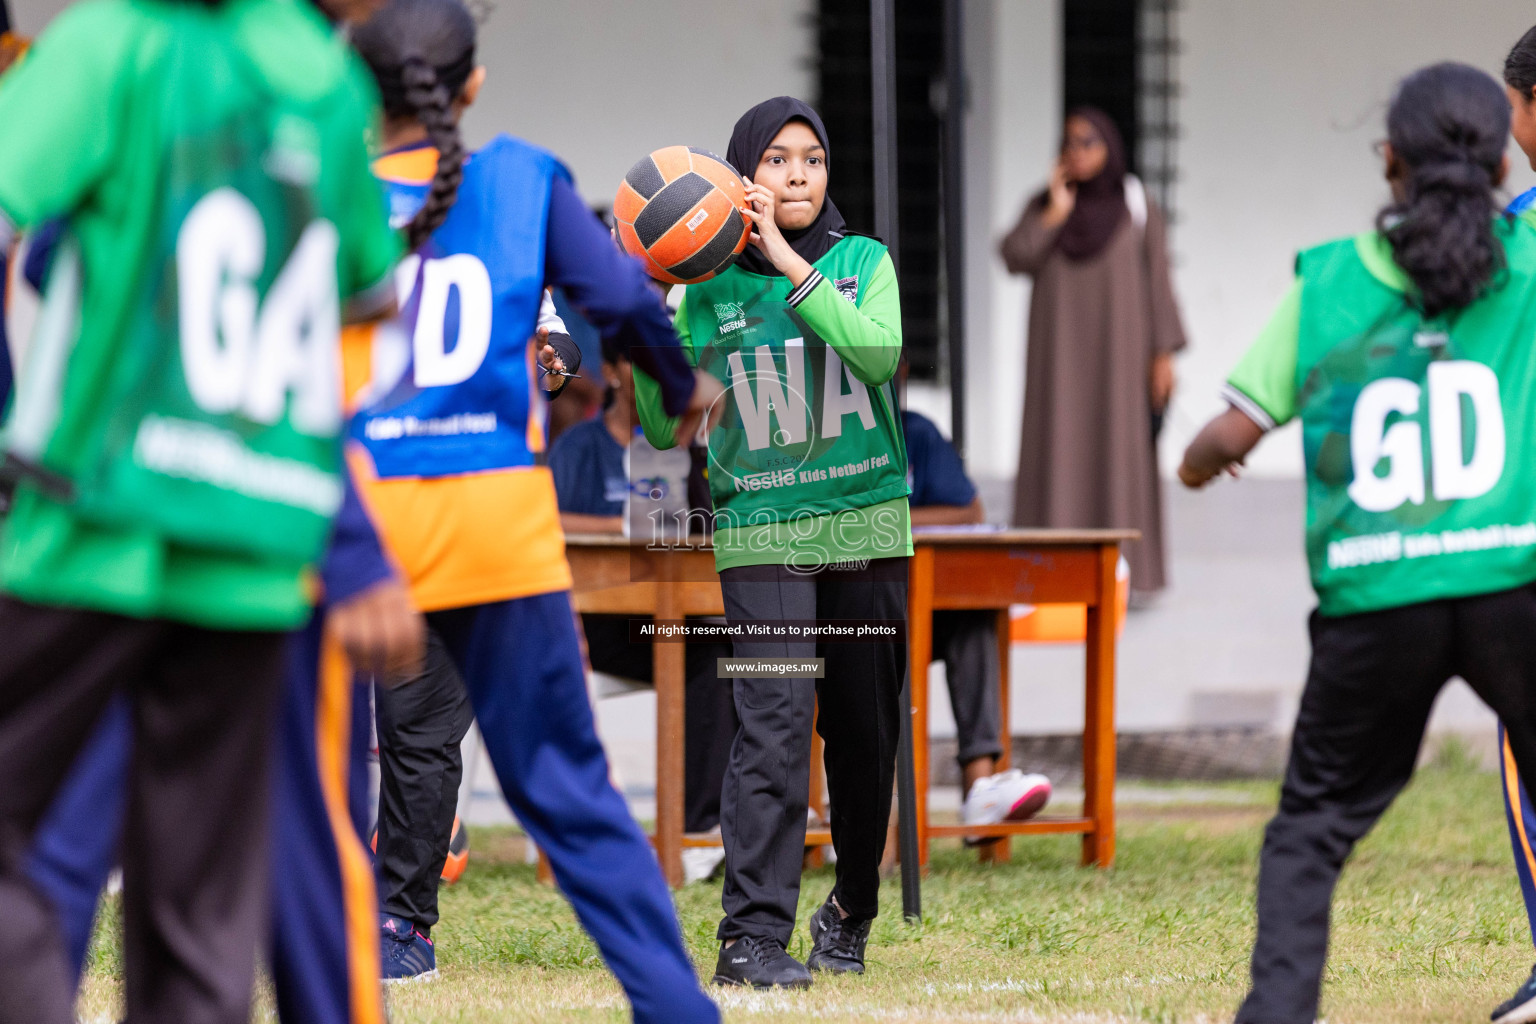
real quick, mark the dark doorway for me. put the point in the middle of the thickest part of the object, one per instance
(842, 35)
(1099, 63)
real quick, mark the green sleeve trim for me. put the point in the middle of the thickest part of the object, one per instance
(1376, 253)
(866, 337)
(1263, 386)
(805, 287)
(56, 106)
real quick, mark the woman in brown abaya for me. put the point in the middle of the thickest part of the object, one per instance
(1103, 327)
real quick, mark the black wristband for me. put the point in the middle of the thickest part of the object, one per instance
(566, 349)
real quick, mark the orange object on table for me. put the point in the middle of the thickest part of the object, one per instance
(1065, 623)
(969, 569)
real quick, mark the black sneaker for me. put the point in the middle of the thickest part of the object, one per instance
(837, 942)
(760, 963)
(1519, 1008)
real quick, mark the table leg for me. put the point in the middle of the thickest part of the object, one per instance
(1001, 850)
(920, 653)
(1099, 716)
(668, 669)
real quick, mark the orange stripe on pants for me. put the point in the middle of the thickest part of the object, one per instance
(333, 727)
(1512, 786)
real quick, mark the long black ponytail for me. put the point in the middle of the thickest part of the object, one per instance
(1448, 126)
(422, 52)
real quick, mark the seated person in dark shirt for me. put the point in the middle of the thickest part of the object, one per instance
(587, 461)
(942, 495)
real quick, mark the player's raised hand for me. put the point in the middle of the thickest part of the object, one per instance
(1061, 196)
(550, 362)
(704, 408)
(558, 357)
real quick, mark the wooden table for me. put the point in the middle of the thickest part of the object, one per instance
(972, 569)
(613, 576)
(951, 569)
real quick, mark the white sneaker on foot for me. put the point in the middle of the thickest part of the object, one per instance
(701, 862)
(1006, 796)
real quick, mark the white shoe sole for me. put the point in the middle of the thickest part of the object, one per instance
(413, 979)
(1025, 807)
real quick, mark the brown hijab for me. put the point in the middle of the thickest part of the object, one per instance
(1100, 205)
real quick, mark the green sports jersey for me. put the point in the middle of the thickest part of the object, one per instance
(210, 162)
(808, 464)
(1414, 431)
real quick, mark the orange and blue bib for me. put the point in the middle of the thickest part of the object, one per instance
(449, 417)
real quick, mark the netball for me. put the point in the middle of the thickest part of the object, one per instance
(678, 211)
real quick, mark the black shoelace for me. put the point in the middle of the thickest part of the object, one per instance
(762, 950)
(845, 934)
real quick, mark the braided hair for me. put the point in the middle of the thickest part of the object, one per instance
(1448, 126)
(422, 52)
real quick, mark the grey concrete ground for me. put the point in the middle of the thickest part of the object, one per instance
(1226, 645)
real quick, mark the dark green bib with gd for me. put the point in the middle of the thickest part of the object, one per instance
(1417, 433)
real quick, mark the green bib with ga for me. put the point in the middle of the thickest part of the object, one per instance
(799, 435)
(219, 428)
(1417, 434)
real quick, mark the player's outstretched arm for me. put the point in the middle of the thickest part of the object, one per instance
(1221, 446)
(614, 294)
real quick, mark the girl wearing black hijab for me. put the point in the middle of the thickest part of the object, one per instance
(808, 475)
(1103, 328)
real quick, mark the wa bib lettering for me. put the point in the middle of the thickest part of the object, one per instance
(800, 434)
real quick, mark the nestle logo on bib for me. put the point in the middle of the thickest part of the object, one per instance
(731, 316)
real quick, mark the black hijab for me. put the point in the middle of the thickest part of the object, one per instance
(1100, 205)
(752, 134)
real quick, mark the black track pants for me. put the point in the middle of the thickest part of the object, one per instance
(195, 842)
(1372, 683)
(767, 783)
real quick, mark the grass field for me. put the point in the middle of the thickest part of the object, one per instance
(1428, 927)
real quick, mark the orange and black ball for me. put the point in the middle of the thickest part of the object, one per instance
(679, 212)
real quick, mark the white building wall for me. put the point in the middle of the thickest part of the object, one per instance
(604, 82)
(1281, 104)
(29, 16)
(1014, 56)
